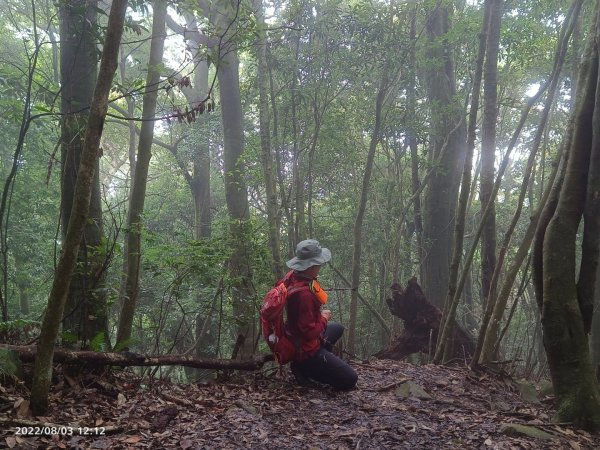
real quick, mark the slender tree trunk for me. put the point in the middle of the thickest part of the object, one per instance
(448, 322)
(297, 175)
(563, 314)
(362, 205)
(444, 345)
(138, 191)
(132, 145)
(42, 373)
(279, 169)
(199, 182)
(130, 111)
(23, 284)
(595, 336)
(448, 130)
(491, 342)
(489, 330)
(488, 143)
(590, 246)
(85, 312)
(52, 34)
(237, 200)
(265, 141)
(411, 136)
(575, 59)
(199, 92)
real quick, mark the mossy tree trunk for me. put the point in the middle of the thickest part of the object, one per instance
(496, 304)
(565, 313)
(86, 311)
(79, 214)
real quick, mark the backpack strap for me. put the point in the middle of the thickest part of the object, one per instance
(295, 289)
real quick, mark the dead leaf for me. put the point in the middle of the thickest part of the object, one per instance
(121, 399)
(101, 444)
(186, 443)
(488, 442)
(18, 402)
(262, 434)
(574, 445)
(10, 441)
(23, 409)
(132, 440)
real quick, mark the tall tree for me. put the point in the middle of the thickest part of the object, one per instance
(197, 94)
(382, 93)
(42, 373)
(488, 142)
(265, 140)
(411, 133)
(566, 301)
(140, 178)
(463, 203)
(86, 310)
(491, 320)
(224, 17)
(198, 177)
(448, 146)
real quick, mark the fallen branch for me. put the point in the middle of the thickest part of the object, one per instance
(27, 353)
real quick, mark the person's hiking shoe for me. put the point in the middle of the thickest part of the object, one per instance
(301, 379)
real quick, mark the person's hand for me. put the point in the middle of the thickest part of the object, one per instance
(327, 314)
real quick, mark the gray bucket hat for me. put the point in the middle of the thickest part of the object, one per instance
(309, 253)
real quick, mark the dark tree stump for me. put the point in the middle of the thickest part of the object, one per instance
(421, 325)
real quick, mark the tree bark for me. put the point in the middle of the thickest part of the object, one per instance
(362, 205)
(451, 309)
(447, 129)
(563, 321)
(199, 178)
(463, 202)
(490, 327)
(595, 334)
(411, 136)
(85, 313)
(488, 143)
(422, 324)
(23, 283)
(299, 231)
(79, 213)
(236, 192)
(138, 191)
(28, 353)
(265, 142)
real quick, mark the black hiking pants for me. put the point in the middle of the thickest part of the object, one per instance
(324, 366)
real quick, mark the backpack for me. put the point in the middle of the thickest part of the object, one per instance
(282, 345)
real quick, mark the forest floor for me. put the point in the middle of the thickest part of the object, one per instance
(396, 406)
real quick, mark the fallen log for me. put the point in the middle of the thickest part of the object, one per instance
(421, 325)
(26, 353)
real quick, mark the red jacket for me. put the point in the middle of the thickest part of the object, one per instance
(304, 319)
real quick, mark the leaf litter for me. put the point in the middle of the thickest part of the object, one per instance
(396, 405)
